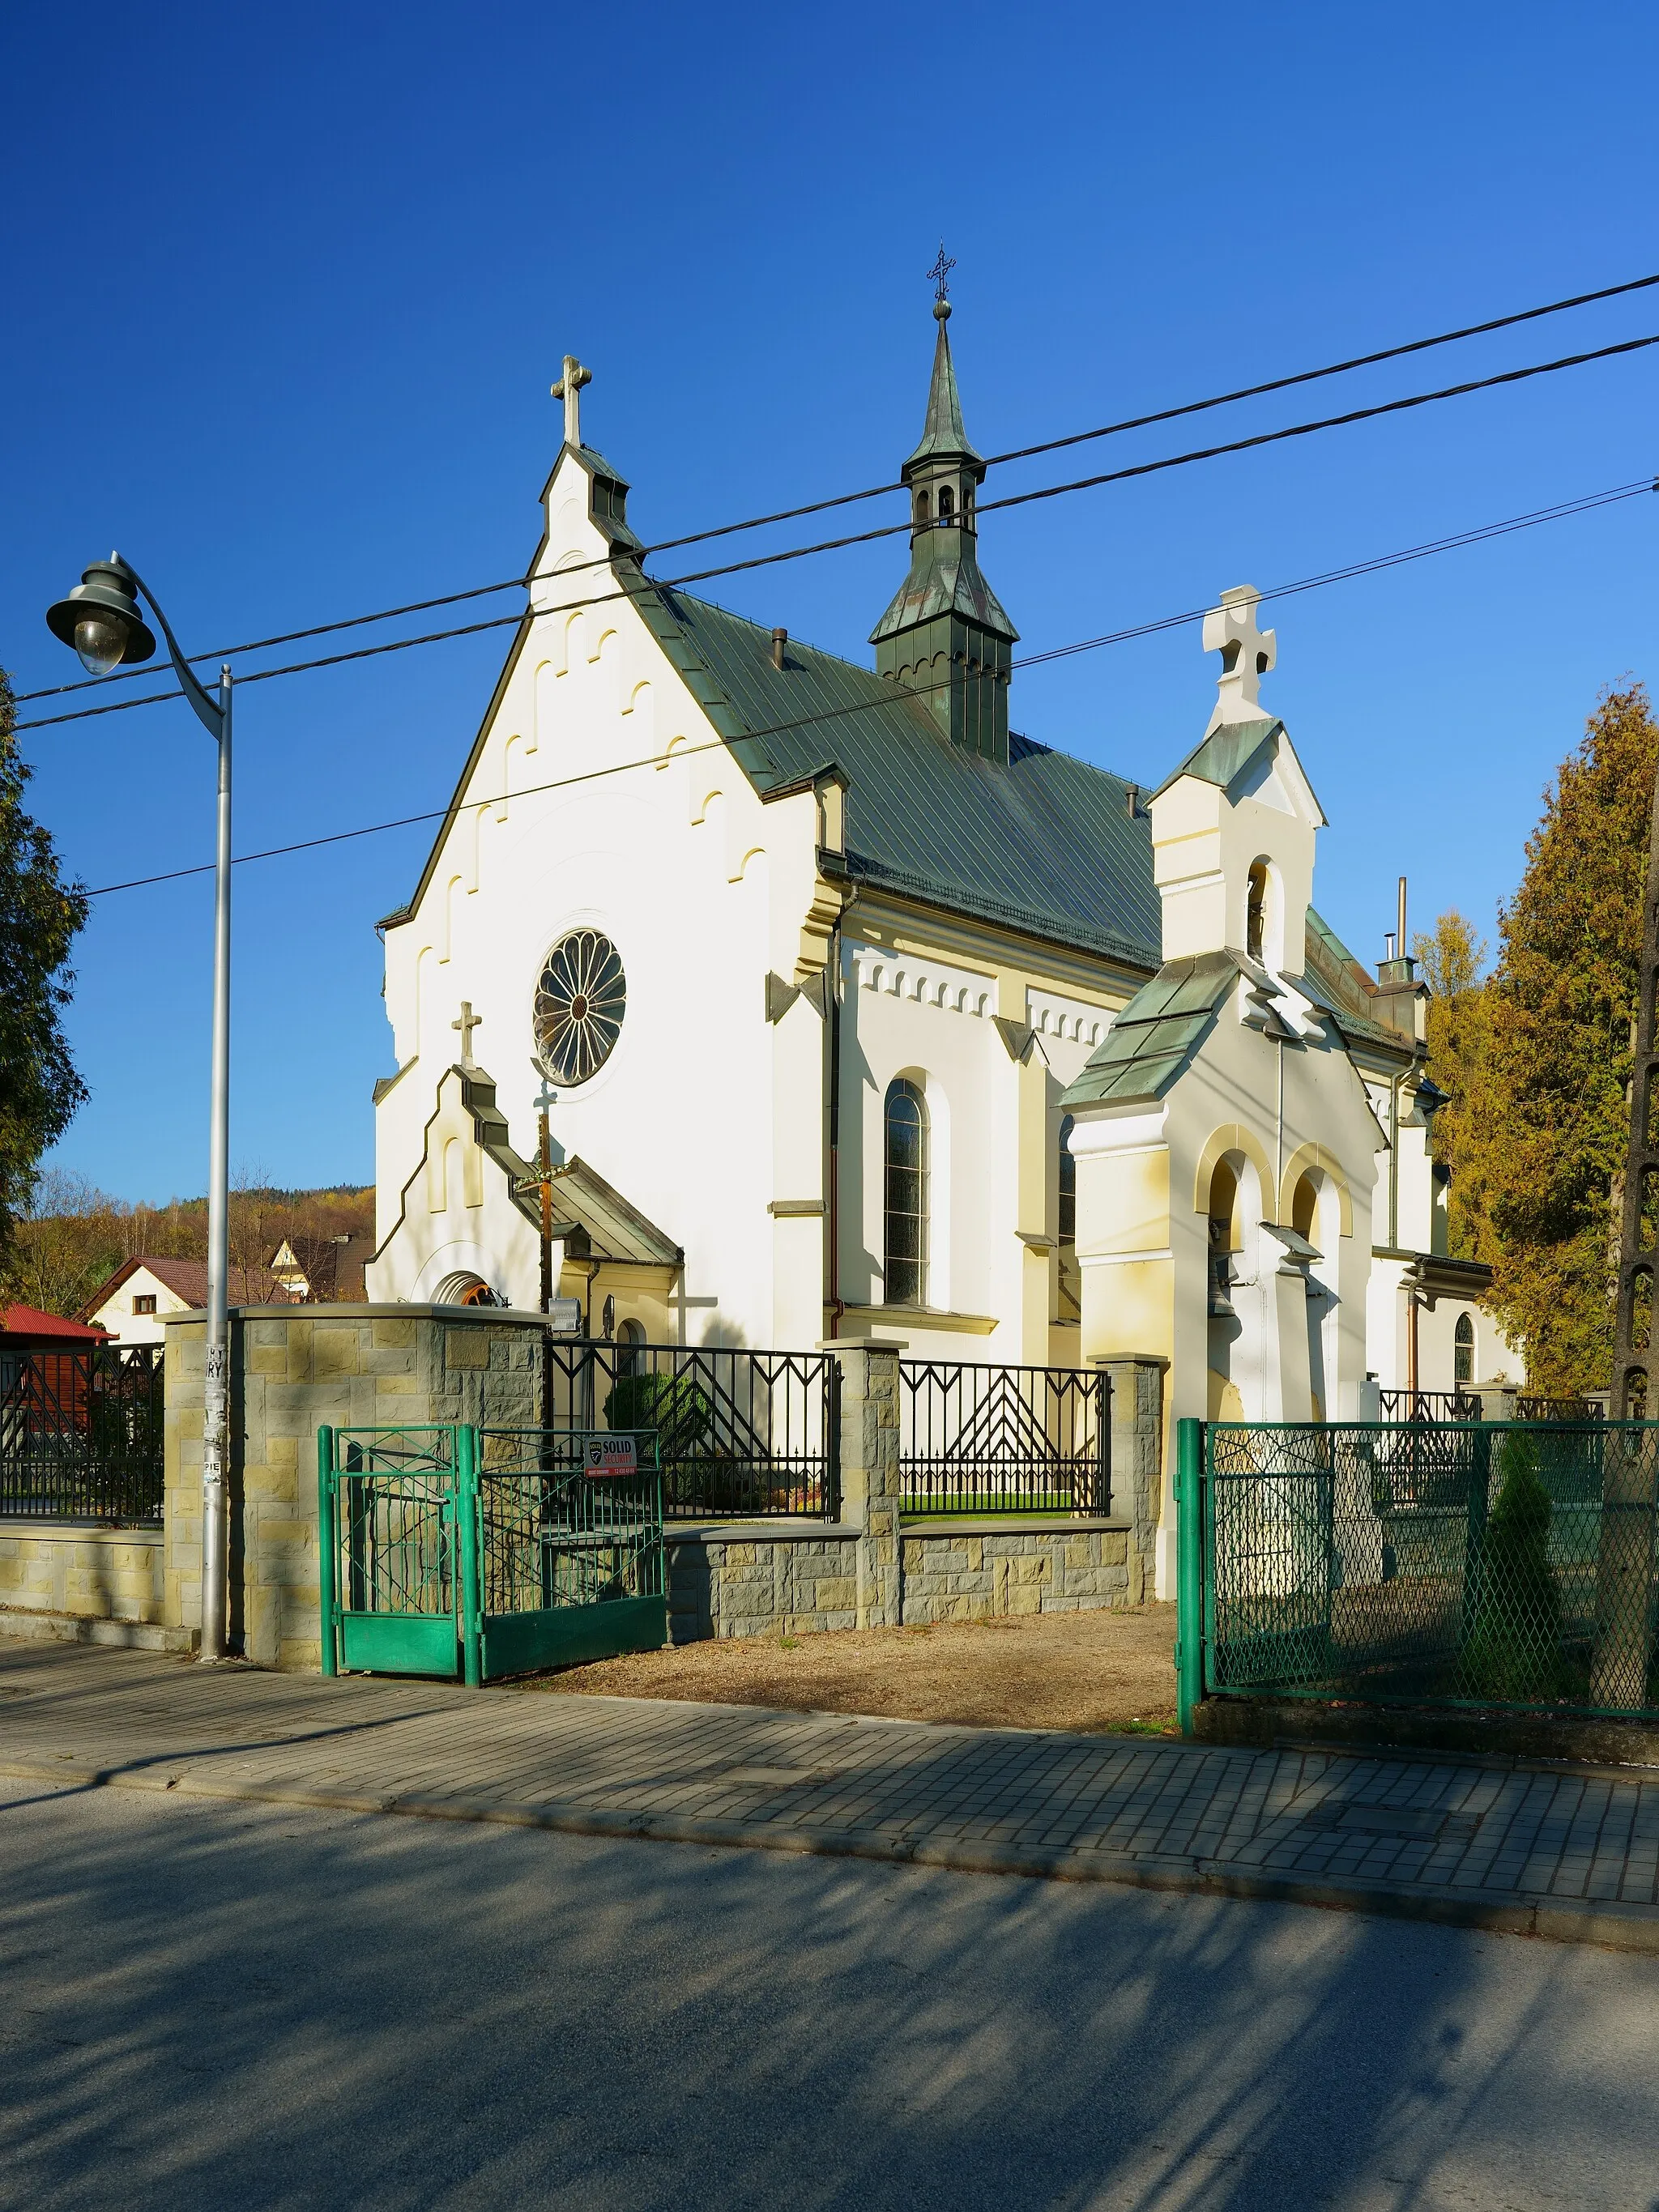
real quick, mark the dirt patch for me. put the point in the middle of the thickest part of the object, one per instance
(1094, 1672)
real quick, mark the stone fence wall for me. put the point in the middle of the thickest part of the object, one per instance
(296, 1369)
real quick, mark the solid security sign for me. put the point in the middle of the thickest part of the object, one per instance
(612, 1455)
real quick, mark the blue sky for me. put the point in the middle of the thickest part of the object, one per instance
(287, 288)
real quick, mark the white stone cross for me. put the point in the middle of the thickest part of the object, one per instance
(1247, 654)
(467, 1024)
(566, 389)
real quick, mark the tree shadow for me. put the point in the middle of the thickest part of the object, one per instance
(211, 2004)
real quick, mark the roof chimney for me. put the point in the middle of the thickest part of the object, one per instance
(780, 639)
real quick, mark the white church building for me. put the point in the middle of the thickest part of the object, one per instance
(855, 1014)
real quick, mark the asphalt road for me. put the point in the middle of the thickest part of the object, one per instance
(212, 2005)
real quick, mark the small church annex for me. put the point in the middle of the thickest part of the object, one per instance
(855, 1014)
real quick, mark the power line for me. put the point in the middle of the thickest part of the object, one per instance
(1585, 504)
(877, 491)
(888, 530)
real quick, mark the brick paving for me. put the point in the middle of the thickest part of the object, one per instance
(1524, 1847)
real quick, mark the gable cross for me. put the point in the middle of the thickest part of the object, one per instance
(566, 389)
(1247, 653)
(467, 1024)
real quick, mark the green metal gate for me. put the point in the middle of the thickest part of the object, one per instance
(1498, 1565)
(473, 1552)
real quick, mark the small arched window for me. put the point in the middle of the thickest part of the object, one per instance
(630, 1341)
(1635, 1395)
(1067, 1184)
(924, 510)
(1463, 1351)
(905, 1211)
(947, 502)
(1255, 912)
(1641, 1310)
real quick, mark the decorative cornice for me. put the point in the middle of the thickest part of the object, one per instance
(930, 983)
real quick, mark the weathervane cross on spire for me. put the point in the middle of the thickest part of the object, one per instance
(939, 275)
(566, 389)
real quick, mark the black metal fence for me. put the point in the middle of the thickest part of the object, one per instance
(748, 1433)
(1430, 1405)
(1560, 1409)
(984, 1439)
(81, 1433)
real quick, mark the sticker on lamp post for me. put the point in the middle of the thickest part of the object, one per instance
(611, 1455)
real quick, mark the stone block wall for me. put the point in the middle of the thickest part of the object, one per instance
(760, 1581)
(293, 1370)
(95, 1574)
(987, 1572)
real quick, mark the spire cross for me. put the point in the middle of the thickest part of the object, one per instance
(1247, 653)
(467, 1024)
(939, 275)
(566, 389)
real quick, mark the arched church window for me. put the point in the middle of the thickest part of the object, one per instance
(905, 1213)
(1463, 1351)
(1256, 914)
(581, 1000)
(630, 1345)
(1635, 1395)
(924, 507)
(947, 502)
(1067, 1184)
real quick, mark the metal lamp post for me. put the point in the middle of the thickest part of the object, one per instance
(101, 619)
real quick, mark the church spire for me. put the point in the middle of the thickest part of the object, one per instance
(946, 634)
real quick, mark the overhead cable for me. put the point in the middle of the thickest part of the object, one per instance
(877, 491)
(1478, 535)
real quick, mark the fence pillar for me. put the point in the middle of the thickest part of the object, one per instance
(870, 1476)
(1497, 1399)
(1137, 1446)
(1189, 1580)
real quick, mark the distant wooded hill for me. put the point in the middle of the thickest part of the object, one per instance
(76, 1235)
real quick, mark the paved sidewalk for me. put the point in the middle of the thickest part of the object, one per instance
(1519, 1846)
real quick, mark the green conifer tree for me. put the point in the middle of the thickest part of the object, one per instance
(1546, 1135)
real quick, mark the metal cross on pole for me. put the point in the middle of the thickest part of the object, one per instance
(939, 275)
(546, 1100)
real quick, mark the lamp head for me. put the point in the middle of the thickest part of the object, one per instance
(100, 618)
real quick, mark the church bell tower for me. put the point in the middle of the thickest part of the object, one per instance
(945, 634)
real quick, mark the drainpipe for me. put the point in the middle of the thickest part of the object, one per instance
(832, 986)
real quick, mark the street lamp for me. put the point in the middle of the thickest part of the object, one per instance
(101, 619)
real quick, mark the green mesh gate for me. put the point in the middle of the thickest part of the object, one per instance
(1504, 1565)
(477, 1553)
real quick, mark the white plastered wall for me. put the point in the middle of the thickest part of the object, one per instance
(702, 890)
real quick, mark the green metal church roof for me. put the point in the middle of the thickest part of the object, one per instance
(1045, 844)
